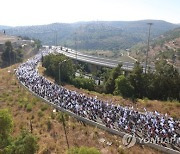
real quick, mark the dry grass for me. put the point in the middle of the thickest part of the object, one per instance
(4, 38)
(172, 108)
(46, 126)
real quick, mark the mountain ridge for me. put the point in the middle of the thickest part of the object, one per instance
(93, 35)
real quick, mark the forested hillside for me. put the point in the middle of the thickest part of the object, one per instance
(102, 35)
(4, 27)
(166, 47)
(13, 49)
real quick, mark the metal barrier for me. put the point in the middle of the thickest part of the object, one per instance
(113, 131)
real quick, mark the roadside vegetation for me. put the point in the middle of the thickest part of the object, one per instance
(83, 150)
(62, 69)
(162, 84)
(16, 52)
(24, 143)
(46, 126)
(10, 55)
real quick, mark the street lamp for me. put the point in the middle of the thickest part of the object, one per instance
(60, 70)
(150, 24)
(76, 45)
(62, 116)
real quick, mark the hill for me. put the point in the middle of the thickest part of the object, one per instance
(4, 38)
(102, 35)
(2, 27)
(27, 48)
(167, 46)
(48, 129)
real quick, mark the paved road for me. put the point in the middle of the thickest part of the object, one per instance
(98, 123)
(94, 60)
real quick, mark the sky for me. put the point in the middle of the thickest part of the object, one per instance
(39, 12)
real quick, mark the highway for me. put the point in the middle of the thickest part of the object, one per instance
(30, 66)
(95, 60)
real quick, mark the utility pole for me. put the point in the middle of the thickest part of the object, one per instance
(64, 126)
(10, 58)
(60, 70)
(10, 53)
(59, 73)
(56, 38)
(76, 46)
(62, 116)
(150, 24)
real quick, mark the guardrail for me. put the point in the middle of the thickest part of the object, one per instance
(113, 131)
(98, 60)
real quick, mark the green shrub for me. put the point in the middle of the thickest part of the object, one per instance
(62, 115)
(121, 150)
(44, 107)
(25, 143)
(123, 87)
(84, 83)
(40, 114)
(29, 107)
(20, 106)
(99, 89)
(53, 115)
(25, 99)
(49, 125)
(83, 150)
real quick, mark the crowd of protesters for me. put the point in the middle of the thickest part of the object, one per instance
(146, 124)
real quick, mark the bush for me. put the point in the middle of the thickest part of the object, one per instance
(44, 107)
(59, 63)
(62, 115)
(40, 113)
(99, 89)
(84, 83)
(49, 125)
(83, 150)
(29, 107)
(121, 150)
(53, 115)
(6, 125)
(123, 87)
(25, 143)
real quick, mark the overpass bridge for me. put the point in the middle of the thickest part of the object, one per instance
(76, 55)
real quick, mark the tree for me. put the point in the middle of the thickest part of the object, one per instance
(110, 81)
(37, 43)
(19, 55)
(123, 87)
(136, 79)
(6, 122)
(26, 143)
(11, 56)
(7, 55)
(6, 125)
(56, 63)
(166, 82)
(81, 82)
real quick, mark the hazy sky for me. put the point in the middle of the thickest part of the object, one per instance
(36, 12)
